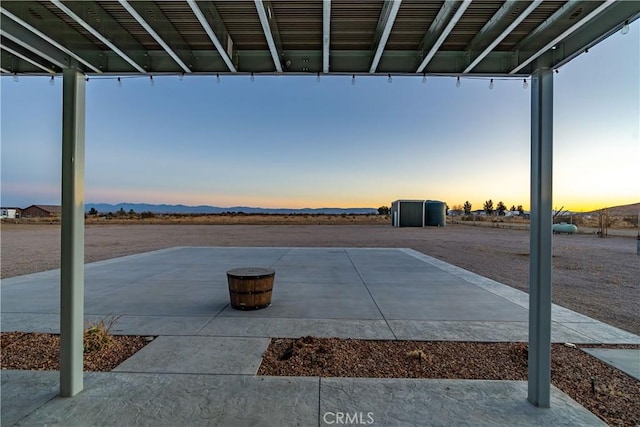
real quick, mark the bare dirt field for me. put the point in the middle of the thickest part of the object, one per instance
(594, 276)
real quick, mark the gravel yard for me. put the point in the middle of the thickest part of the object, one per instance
(594, 276)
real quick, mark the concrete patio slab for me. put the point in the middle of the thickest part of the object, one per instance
(602, 333)
(415, 402)
(238, 400)
(45, 323)
(123, 325)
(159, 325)
(25, 391)
(165, 298)
(310, 274)
(627, 360)
(30, 322)
(35, 296)
(471, 330)
(315, 301)
(201, 367)
(125, 399)
(198, 355)
(290, 328)
(425, 302)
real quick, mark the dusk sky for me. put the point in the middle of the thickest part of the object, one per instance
(294, 142)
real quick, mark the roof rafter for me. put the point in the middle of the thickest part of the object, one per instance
(492, 28)
(212, 35)
(5, 71)
(565, 34)
(155, 35)
(606, 24)
(441, 19)
(385, 23)
(97, 35)
(503, 13)
(17, 40)
(326, 34)
(266, 28)
(210, 10)
(26, 58)
(566, 10)
(47, 39)
(452, 23)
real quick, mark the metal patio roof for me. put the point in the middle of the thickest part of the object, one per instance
(457, 37)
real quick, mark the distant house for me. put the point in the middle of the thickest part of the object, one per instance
(35, 211)
(9, 213)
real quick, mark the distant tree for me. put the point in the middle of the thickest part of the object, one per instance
(132, 212)
(501, 208)
(467, 208)
(488, 207)
(93, 211)
(446, 207)
(520, 209)
(513, 208)
(121, 212)
(384, 210)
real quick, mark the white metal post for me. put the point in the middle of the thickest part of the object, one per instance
(540, 238)
(72, 253)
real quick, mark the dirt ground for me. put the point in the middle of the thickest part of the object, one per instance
(594, 276)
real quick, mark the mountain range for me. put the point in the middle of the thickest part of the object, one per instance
(205, 209)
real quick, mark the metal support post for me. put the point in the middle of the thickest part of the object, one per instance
(540, 238)
(72, 234)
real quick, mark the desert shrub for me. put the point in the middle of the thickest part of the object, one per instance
(98, 335)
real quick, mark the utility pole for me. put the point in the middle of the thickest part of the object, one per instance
(638, 239)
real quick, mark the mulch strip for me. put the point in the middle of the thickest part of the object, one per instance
(39, 351)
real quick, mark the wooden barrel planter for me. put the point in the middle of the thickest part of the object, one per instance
(250, 288)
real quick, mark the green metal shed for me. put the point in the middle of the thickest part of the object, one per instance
(407, 213)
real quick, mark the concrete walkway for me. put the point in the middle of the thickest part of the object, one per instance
(201, 368)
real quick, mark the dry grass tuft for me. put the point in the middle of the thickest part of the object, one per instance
(418, 354)
(97, 336)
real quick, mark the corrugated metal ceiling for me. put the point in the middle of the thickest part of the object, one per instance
(297, 31)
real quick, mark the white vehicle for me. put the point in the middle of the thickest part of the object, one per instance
(8, 213)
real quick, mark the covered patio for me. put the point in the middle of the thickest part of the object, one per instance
(484, 39)
(201, 367)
